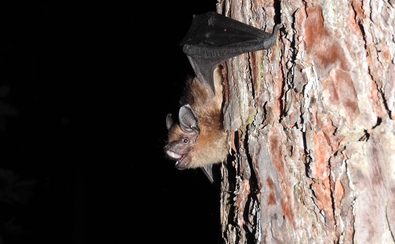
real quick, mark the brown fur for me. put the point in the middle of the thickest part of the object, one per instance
(211, 145)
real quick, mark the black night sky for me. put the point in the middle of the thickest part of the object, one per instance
(84, 91)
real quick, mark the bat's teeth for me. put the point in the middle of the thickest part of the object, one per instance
(173, 154)
(176, 163)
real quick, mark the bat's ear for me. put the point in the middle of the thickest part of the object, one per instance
(169, 121)
(189, 122)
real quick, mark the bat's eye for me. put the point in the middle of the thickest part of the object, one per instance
(185, 140)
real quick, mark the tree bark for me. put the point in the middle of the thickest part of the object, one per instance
(312, 130)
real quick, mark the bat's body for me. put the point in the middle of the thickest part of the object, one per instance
(199, 140)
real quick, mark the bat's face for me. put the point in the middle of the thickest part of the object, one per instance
(182, 137)
(180, 146)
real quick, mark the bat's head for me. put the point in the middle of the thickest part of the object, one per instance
(182, 136)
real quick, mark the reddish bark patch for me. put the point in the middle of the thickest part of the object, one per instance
(272, 199)
(313, 26)
(287, 212)
(323, 199)
(342, 93)
(322, 152)
(330, 87)
(277, 158)
(346, 90)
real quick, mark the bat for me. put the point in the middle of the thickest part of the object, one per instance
(199, 140)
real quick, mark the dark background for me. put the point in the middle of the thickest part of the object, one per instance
(84, 91)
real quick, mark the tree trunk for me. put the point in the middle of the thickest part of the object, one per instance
(313, 136)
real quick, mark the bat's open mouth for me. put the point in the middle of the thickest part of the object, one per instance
(180, 164)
